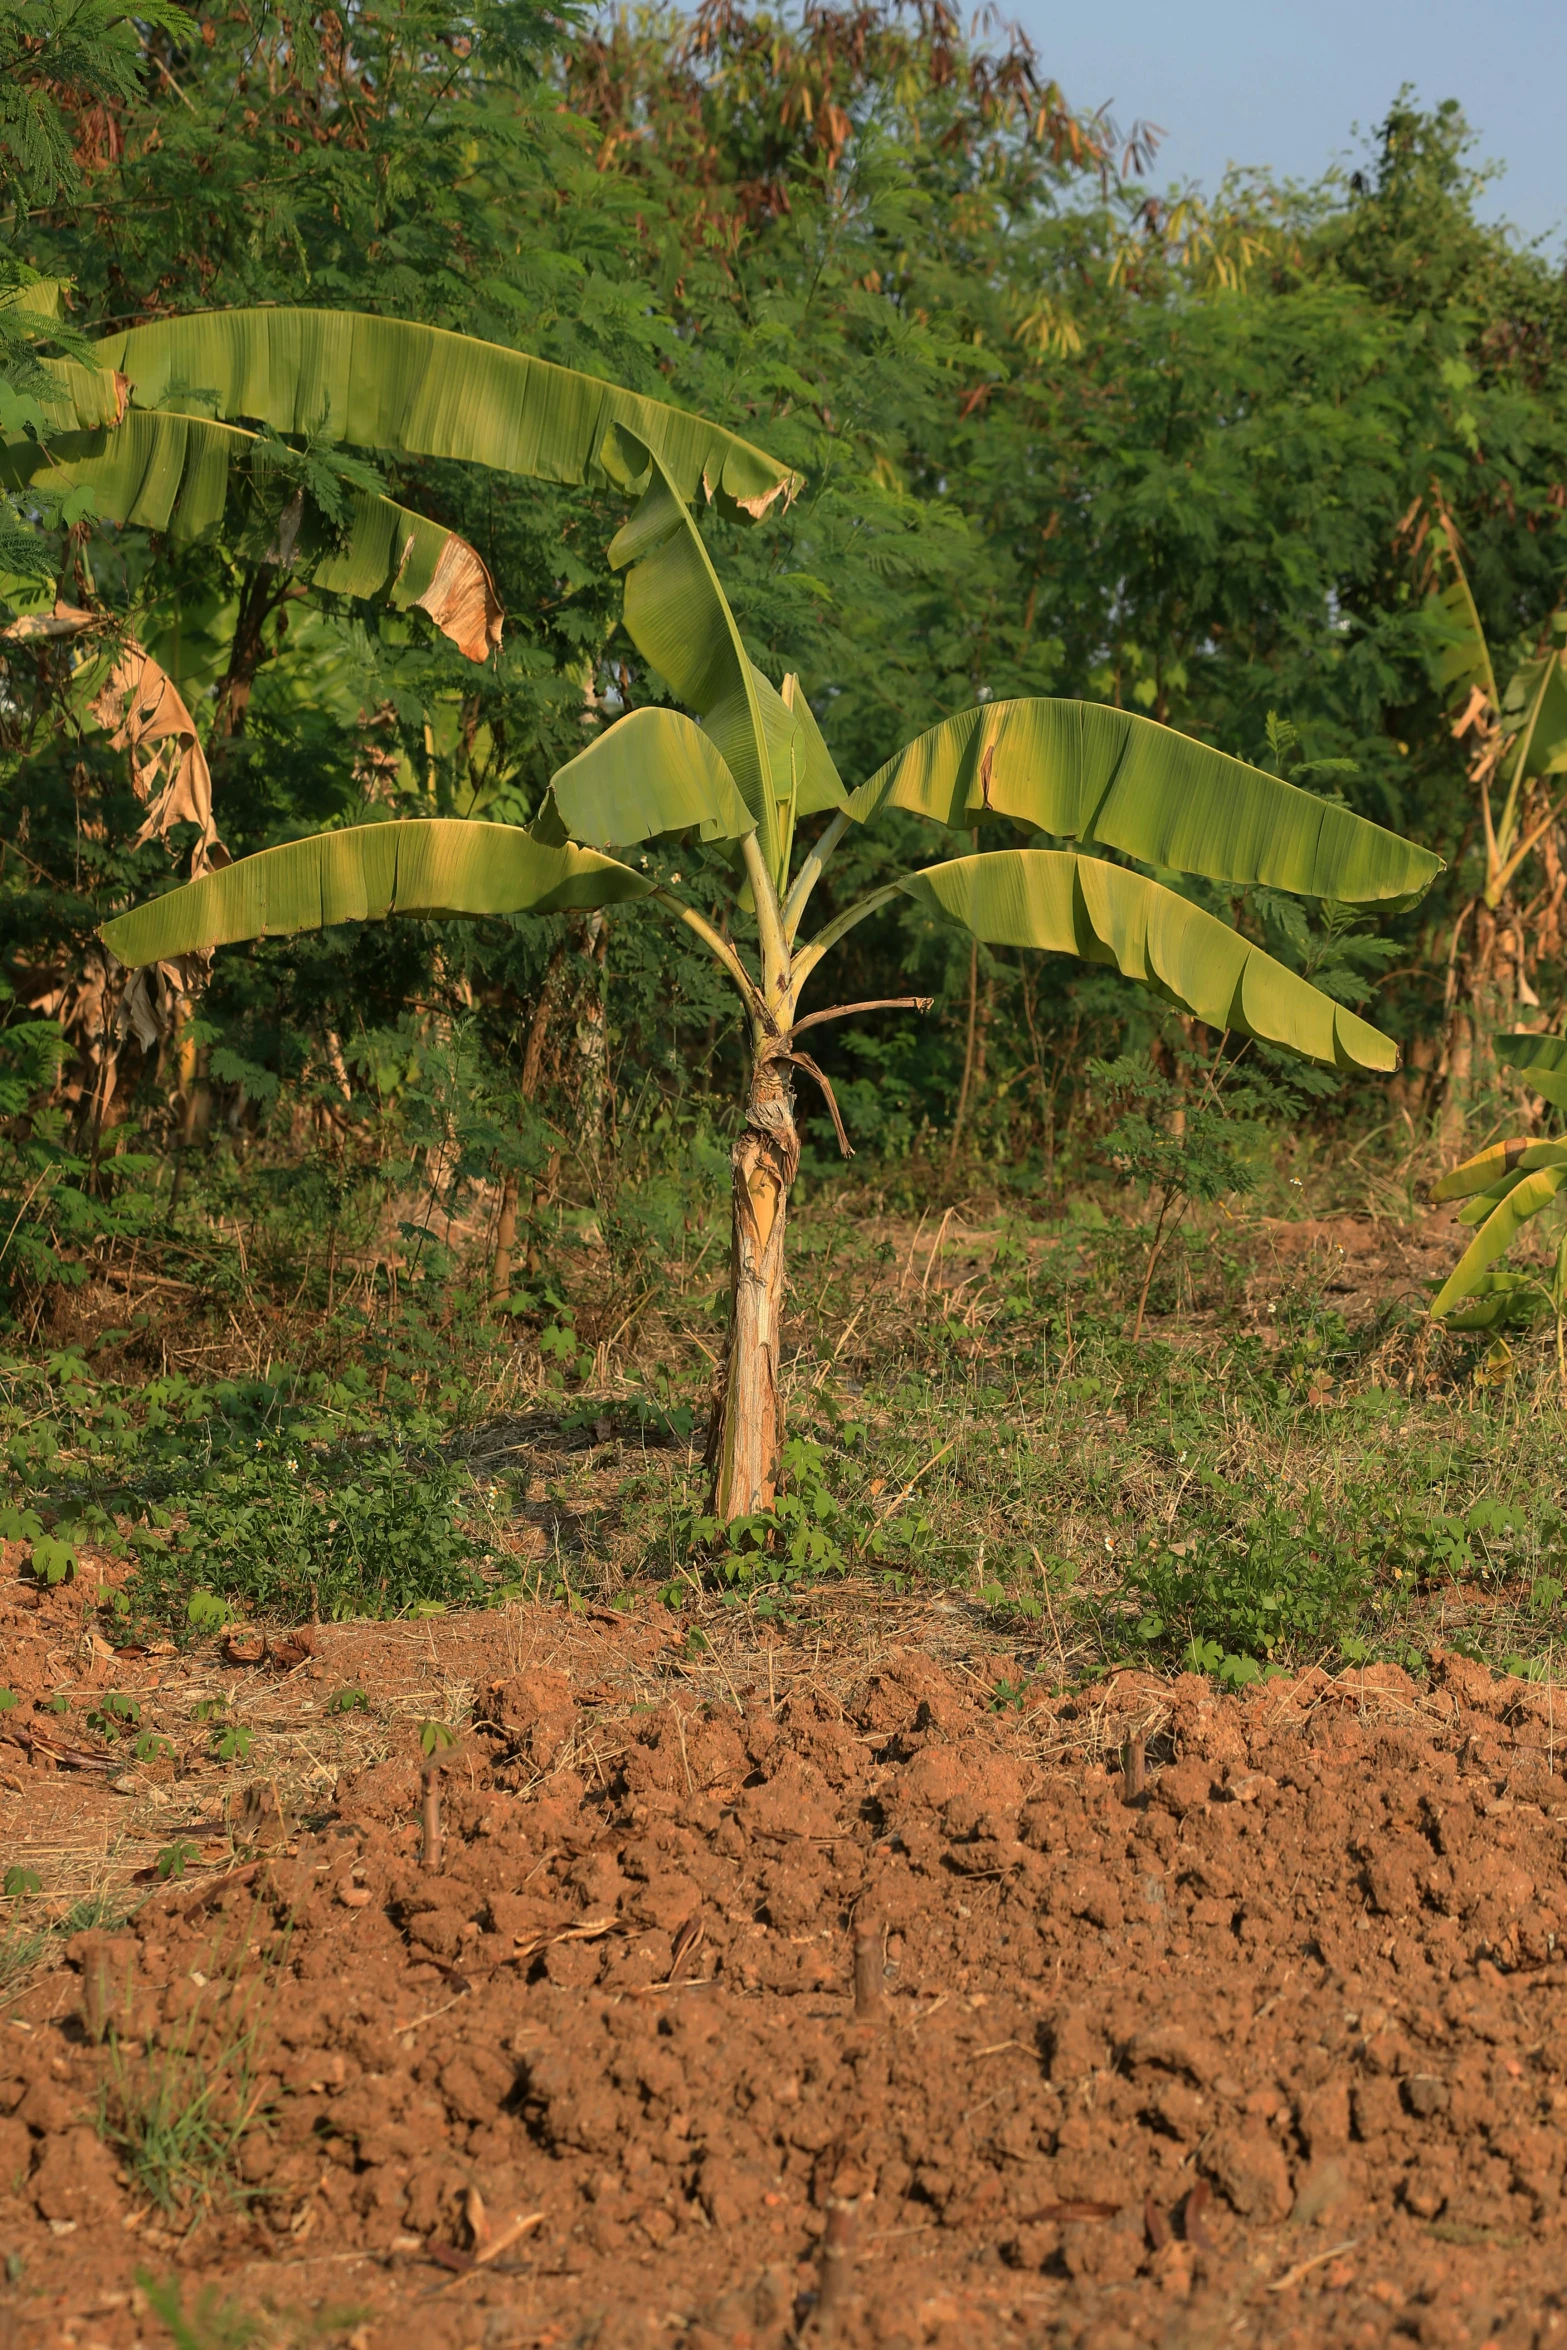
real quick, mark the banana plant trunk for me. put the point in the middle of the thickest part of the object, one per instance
(746, 1429)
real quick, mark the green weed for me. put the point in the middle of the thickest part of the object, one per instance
(24, 1947)
(1282, 1586)
(113, 1714)
(175, 2114)
(214, 2323)
(21, 1947)
(362, 1534)
(219, 2324)
(811, 1533)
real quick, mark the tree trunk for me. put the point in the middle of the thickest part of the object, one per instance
(592, 1043)
(246, 654)
(745, 1436)
(970, 1048)
(505, 1241)
(532, 1074)
(1459, 1076)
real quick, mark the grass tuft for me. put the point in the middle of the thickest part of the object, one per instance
(175, 2114)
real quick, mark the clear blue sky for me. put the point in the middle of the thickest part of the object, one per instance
(1284, 82)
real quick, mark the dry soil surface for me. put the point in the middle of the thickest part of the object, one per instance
(778, 2001)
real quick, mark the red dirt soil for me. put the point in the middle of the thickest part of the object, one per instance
(1276, 2050)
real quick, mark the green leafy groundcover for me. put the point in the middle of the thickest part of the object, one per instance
(289, 1496)
(1278, 1584)
(349, 1533)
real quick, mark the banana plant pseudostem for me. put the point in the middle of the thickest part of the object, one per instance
(744, 779)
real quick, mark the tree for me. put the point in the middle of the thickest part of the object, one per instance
(743, 780)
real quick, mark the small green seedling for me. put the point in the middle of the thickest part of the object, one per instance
(20, 1526)
(19, 1882)
(149, 1746)
(60, 1703)
(204, 1611)
(436, 1738)
(209, 1709)
(1007, 1695)
(174, 1860)
(53, 1561)
(8, 1699)
(233, 1744)
(348, 1701)
(113, 1713)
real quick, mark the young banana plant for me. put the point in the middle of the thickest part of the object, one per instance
(1503, 1188)
(744, 779)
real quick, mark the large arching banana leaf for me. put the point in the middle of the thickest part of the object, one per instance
(83, 398)
(1540, 1060)
(173, 473)
(1110, 779)
(418, 391)
(1083, 906)
(653, 772)
(429, 865)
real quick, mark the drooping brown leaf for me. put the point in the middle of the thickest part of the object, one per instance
(462, 602)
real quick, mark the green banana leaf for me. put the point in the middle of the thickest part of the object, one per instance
(44, 294)
(1498, 1165)
(1107, 778)
(1540, 1060)
(84, 399)
(1464, 660)
(1497, 1300)
(1534, 712)
(653, 772)
(1082, 906)
(1497, 1233)
(430, 865)
(820, 785)
(173, 473)
(678, 618)
(387, 383)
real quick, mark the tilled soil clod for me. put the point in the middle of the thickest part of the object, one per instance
(850, 2023)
